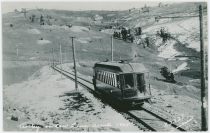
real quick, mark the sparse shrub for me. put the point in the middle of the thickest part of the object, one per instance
(124, 34)
(11, 25)
(138, 31)
(147, 41)
(41, 20)
(16, 10)
(167, 74)
(164, 34)
(69, 25)
(32, 18)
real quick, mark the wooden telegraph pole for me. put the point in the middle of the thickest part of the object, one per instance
(17, 52)
(112, 48)
(203, 103)
(24, 11)
(60, 56)
(202, 63)
(53, 58)
(75, 66)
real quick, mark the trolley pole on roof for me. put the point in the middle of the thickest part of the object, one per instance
(75, 66)
(203, 100)
(112, 48)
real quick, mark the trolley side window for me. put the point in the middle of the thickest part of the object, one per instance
(103, 76)
(118, 81)
(108, 78)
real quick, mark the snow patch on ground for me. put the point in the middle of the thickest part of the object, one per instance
(97, 37)
(84, 40)
(54, 27)
(183, 58)
(181, 67)
(33, 58)
(79, 29)
(108, 31)
(168, 50)
(186, 31)
(42, 42)
(83, 19)
(98, 17)
(34, 31)
(110, 15)
(84, 50)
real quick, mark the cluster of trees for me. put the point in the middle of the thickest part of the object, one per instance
(124, 34)
(138, 31)
(41, 19)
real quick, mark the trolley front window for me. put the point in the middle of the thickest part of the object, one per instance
(141, 83)
(129, 81)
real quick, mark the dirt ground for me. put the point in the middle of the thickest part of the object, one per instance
(47, 101)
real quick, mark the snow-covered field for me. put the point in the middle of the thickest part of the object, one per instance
(186, 31)
(168, 50)
(79, 29)
(34, 31)
(42, 42)
(84, 40)
(108, 31)
(47, 100)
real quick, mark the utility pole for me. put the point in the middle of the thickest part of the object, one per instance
(60, 55)
(60, 59)
(49, 61)
(53, 57)
(202, 63)
(17, 52)
(24, 11)
(203, 103)
(75, 66)
(112, 47)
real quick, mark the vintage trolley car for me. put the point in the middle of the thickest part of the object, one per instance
(121, 82)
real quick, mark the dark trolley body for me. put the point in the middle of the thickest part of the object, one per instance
(122, 83)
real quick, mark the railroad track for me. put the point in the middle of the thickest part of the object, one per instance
(144, 116)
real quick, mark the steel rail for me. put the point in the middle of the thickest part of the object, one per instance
(162, 119)
(128, 113)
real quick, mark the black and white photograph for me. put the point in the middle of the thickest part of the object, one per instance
(104, 66)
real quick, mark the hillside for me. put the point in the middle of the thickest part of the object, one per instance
(33, 41)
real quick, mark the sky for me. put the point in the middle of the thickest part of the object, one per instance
(91, 5)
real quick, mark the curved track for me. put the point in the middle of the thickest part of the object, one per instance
(144, 116)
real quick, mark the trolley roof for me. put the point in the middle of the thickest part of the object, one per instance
(123, 67)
